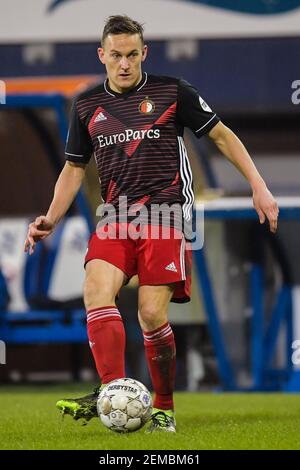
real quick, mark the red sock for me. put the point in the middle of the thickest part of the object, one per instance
(161, 358)
(107, 341)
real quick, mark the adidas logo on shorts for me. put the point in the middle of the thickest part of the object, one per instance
(171, 267)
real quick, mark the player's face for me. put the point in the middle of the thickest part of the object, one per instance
(122, 55)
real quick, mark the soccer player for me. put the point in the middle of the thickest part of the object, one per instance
(133, 123)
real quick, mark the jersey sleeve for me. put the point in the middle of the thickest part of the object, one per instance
(192, 111)
(79, 147)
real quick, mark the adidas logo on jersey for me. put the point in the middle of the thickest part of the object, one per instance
(171, 267)
(100, 117)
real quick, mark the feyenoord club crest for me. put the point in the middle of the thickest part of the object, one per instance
(146, 106)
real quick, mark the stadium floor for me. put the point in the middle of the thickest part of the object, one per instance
(29, 420)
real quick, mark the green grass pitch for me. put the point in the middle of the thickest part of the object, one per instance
(29, 420)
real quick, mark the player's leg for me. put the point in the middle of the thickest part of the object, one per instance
(160, 352)
(107, 261)
(105, 332)
(164, 275)
(104, 323)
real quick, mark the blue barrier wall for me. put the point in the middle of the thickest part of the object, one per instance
(232, 74)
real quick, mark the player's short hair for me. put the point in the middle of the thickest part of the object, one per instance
(122, 24)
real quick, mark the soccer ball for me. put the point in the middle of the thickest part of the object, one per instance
(124, 405)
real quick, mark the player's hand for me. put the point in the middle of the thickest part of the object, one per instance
(266, 207)
(37, 230)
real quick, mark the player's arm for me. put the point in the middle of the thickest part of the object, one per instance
(66, 188)
(79, 149)
(231, 146)
(194, 112)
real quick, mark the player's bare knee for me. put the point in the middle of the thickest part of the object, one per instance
(97, 294)
(151, 317)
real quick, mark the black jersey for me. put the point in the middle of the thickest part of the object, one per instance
(137, 139)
